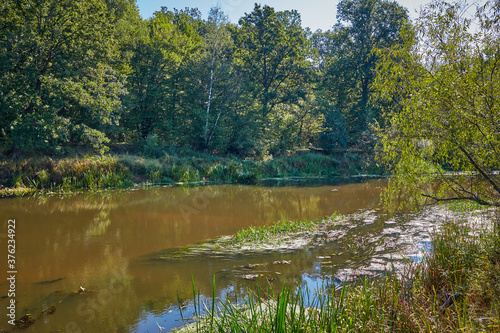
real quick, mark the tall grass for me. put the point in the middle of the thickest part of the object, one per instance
(93, 172)
(464, 259)
(64, 174)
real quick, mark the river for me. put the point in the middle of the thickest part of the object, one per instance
(108, 245)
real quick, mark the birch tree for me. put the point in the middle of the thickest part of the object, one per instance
(218, 58)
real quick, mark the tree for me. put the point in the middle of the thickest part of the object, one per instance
(147, 86)
(130, 30)
(337, 92)
(271, 52)
(350, 64)
(270, 49)
(56, 86)
(213, 71)
(219, 49)
(446, 82)
(156, 77)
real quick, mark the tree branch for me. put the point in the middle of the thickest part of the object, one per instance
(479, 201)
(481, 171)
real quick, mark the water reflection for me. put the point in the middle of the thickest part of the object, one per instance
(102, 242)
(370, 246)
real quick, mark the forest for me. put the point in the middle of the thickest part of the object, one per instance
(90, 75)
(177, 97)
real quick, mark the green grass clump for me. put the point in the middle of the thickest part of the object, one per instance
(270, 232)
(464, 206)
(16, 192)
(311, 164)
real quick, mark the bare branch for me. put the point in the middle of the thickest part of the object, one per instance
(479, 169)
(475, 199)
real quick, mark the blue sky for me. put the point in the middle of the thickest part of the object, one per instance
(316, 14)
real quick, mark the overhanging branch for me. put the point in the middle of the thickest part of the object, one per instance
(478, 200)
(480, 170)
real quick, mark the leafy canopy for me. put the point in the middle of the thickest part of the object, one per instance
(270, 49)
(56, 84)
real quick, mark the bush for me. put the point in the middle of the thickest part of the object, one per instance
(152, 147)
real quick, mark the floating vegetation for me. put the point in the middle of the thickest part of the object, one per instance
(282, 236)
(274, 231)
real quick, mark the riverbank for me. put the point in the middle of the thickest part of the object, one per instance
(29, 175)
(455, 287)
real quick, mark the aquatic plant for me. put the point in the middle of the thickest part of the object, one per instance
(273, 231)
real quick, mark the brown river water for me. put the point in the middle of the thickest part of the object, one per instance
(109, 244)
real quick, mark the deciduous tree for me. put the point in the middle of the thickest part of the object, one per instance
(271, 50)
(56, 85)
(446, 80)
(350, 66)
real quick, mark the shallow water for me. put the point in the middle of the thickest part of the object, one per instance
(108, 243)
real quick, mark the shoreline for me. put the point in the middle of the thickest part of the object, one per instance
(30, 176)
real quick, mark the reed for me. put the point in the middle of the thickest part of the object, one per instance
(118, 171)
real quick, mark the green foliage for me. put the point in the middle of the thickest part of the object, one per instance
(232, 172)
(155, 79)
(55, 73)
(270, 49)
(442, 91)
(153, 147)
(272, 231)
(348, 62)
(334, 137)
(270, 53)
(77, 76)
(90, 137)
(214, 71)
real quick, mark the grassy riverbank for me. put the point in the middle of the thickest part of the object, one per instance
(464, 260)
(25, 176)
